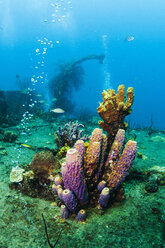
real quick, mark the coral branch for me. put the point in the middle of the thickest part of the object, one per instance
(113, 110)
(69, 134)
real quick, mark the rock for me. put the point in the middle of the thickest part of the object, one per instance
(152, 185)
(158, 169)
(9, 136)
(158, 139)
(1, 147)
(4, 152)
(161, 180)
(16, 175)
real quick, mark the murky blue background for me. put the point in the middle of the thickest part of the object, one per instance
(78, 28)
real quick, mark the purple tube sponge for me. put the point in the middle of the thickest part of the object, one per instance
(93, 151)
(115, 153)
(99, 172)
(81, 216)
(63, 172)
(104, 198)
(58, 181)
(79, 146)
(96, 135)
(73, 176)
(58, 187)
(93, 154)
(69, 200)
(101, 185)
(54, 188)
(64, 212)
(116, 148)
(121, 170)
(60, 194)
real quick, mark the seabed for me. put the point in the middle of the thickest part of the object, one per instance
(137, 222)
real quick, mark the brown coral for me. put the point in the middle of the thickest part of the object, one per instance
(43, 164)
(113, 110)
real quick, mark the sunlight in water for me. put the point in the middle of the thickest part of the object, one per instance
(107, 75)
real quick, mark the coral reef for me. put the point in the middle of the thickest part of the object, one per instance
(113, 110)
(69, 134)
(91, 174)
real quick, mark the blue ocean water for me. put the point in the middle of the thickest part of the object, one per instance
(80, 28)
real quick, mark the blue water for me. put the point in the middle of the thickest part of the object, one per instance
(77, 30)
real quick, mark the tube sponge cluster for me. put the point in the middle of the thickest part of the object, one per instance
(91, 175)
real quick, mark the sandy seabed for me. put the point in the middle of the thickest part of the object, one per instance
(138, 222)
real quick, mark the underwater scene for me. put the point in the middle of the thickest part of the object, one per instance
(82, 124)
